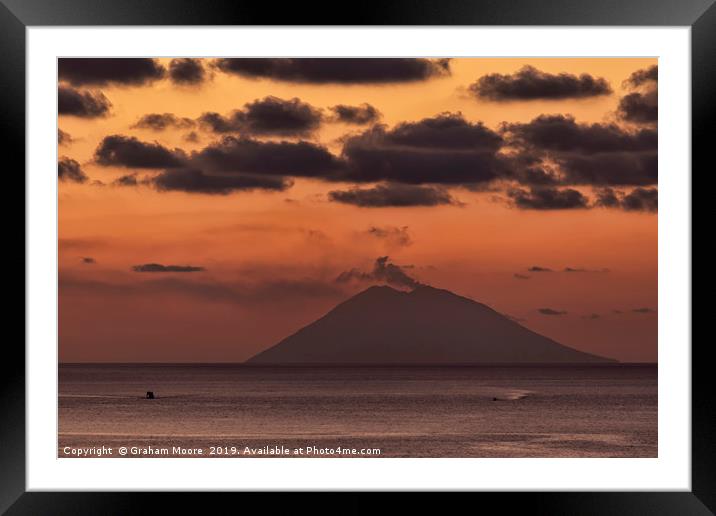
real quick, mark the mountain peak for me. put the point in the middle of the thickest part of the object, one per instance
(379, 288)
(420, 290)
(383, 325)
(376, 292)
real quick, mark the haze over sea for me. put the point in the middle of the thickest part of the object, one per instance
(423, 411)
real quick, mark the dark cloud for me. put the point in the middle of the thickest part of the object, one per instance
(581, 269)
(268, 116)
(541, 198)
(222, 124)
(186, 71)
(625, 168)
(393, 235)
(445, 149)
(283, 117)
(63, 138)
(383, 272)
(561, 133)
(233, 154)
(550, 311)
(532, 175)
(608, 198)
(643, 76)
(639, 199)
(517, 275)
(639, 107)
(532, 84)
(126, 180)
(548, 152)
(591, 316)
(162, 121)
(588, 154)
(229, 165)
(196, 181)
(336, 70)
(109, 71)
(84, 104)
(191, 137)
(128, 151)
(370, 163)
(88, 260)
(69, 170)
(393, 195)
(537, 268)
(644, 310)
(444, 131)
(156, 267)
(356, 115)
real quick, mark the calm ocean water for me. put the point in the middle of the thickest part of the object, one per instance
(240, 411)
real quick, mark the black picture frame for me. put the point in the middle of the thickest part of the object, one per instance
(17, 15)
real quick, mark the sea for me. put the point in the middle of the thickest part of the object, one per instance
(242, 411)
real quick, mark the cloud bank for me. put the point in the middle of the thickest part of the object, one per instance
(529, 83)
(336, 70)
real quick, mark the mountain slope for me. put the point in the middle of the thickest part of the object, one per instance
(382, 325)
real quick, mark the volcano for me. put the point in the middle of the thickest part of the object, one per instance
(382, 325)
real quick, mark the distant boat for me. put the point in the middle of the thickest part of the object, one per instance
(150, 395)
(382, 325)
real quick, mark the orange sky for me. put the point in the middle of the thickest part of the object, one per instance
(250, 243)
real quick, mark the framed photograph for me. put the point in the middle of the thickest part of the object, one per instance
(442, 248)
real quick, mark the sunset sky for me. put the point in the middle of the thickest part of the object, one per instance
(208, 208)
